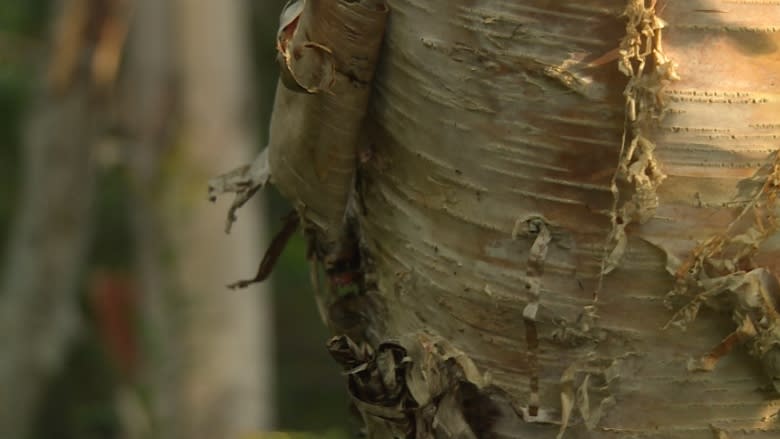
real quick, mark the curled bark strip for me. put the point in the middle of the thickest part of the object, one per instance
(534, 271)
(753, 298)
(418, 387)
(708, 362)
(314, 137)
(637, 177)
(721, 273)
(272, 254)
(304, 65)
(308, 67)
(312, 67)
(244, 182)
(288, 23)
(567, 398)
(591, 395)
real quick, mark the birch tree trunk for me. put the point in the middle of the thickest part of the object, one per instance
(225, 352)
(547, 193)
(148, 114)
(541, 205)
(188, 107)
(49, 238)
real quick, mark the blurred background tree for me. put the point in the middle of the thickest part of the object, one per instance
(115, 319)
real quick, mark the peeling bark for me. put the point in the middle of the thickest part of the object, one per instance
(545, 185)
(314, 138)
(418, 386)
(635, 183)
(526, 89)
(328, 52)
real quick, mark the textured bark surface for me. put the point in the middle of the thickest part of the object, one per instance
(547, 195)
(498, 132)
(313, 147)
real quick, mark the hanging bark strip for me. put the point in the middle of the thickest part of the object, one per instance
(273, 252)
(534, 272)
(637, 176)
(328, 51)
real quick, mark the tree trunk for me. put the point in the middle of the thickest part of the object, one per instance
(147, 115)
(225, 347)
(547, 194)
(516, 205)
(49, 238)
(209, 351)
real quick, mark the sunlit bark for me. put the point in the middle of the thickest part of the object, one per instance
(547, 193)
(497, 122)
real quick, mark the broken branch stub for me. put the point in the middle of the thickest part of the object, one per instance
(329, 50)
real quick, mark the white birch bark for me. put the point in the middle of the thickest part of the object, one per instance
(493, 118)
(225, 349)
(548, 191)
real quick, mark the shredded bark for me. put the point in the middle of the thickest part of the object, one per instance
(418, 386)
(638, 175)
(328, 49)
(534, 271)
(244, 181)
(721, 273)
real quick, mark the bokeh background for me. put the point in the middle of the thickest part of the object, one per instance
(128, 107)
